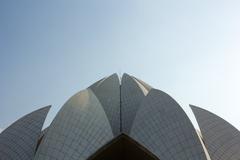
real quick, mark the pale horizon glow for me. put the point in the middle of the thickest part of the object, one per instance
(49, 50)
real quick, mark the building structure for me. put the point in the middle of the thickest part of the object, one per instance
(120, 119)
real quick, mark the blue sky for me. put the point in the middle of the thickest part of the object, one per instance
(51, 49)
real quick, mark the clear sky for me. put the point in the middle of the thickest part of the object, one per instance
(51, 49)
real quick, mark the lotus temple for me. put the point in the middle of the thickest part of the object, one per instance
(120, 118)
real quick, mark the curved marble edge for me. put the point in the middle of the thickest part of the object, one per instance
(19, 140)
(79, 129)
(220, 137)
(163, 127)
